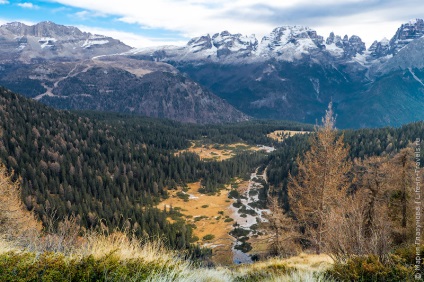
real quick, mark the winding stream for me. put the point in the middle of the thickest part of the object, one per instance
(246, 221)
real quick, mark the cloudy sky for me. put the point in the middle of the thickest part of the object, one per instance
(141, 23)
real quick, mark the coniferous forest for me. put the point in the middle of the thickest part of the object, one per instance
(108, 172)
(110, 169)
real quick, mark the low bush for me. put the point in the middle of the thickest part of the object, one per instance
(237, 204)
(57, 267)
(370, 268)
(183, 196)
(244, 247)
(239, 232)
(208, 237)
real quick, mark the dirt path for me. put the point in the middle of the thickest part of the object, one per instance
(49, 90)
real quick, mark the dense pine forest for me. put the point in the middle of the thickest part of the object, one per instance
(362, 143)
(111, 170)
(106, 172)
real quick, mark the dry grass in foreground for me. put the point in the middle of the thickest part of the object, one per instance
(119, 257)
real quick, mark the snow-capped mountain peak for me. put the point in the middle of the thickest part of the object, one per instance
(227, 44)
(407, 32)
(47, 40)
(288, 43)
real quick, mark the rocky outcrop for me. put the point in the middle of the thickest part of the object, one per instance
(407, 33)
(49, 41)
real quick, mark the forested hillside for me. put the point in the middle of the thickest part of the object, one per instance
(362, 143)
(110, 169)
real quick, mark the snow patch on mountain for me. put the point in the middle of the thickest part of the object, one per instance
(90, 42)
(334, 50)
(47, 42)
(415, 76)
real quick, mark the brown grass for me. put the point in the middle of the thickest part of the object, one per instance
(15, 219)
(208, 152)
(222, 242)
(310, 262)
(280, 135)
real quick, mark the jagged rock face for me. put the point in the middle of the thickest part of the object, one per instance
(293, 73)
(290, 43)
(379, 49)
(349, 46)
(227, 43)
(44, 29)
(286, 43)
(353, 46)
(69, 69)
(201, 43)
(49, 41)
(405, 34)
(336, 39)
(223, 44)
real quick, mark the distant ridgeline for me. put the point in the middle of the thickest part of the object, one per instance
(362, 143)
(114, 169)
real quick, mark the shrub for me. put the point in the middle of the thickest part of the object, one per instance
(183, 196)
(239, 232)
(370, 268)
(208, 237)
(56, 267)
(233, 194)
(194, 239)
(244, 247)
(237, 204)
(198, 218)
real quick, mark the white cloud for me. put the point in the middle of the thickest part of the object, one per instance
(190, 18)
(84, 15)
(196, 17)
(131, 39)
(28, 5)
(4, 2)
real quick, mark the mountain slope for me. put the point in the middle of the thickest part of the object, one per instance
(157, 92)
(293, 73)
(110, 172)
(49, 41)
(69, 69)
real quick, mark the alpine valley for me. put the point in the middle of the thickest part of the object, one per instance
(292, 74)
(202, 162)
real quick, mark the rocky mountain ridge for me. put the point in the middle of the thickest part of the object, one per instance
(66, 68)
(49, 41)
(285, 43)
(293, 73)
